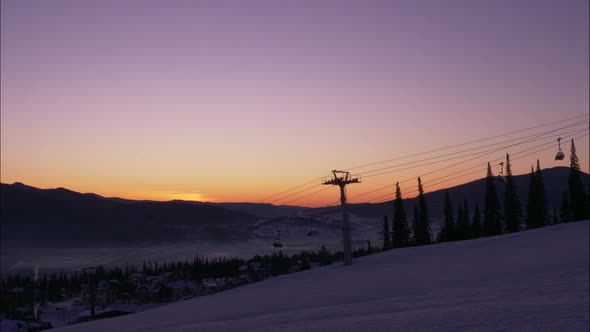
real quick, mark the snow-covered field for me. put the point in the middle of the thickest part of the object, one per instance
(532, 281)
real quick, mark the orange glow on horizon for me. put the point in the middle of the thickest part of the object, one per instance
(282, 95)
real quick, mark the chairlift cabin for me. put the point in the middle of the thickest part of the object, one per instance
(560, 155)
(310, 229)
(501, 178)
(277, 242)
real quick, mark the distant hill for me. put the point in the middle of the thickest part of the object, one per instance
(61, 217)
(555, 184)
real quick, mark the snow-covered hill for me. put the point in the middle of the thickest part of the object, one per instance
(532, 281)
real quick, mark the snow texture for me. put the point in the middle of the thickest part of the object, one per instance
(536, 280)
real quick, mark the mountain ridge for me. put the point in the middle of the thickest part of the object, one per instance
(59, 215)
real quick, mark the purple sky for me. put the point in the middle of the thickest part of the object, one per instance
(233, 100)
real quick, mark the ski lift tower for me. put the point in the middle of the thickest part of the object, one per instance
(341, 179)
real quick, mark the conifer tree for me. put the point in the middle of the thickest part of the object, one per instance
(415, 224)
(458, 231)
(491, 222)
(422, 235)
(532, 203)
(386, 234)
(537, 207)
(565, 211)
(578, 200)
(447, 231)
(555, 217)
(462, 226)
(512, 210)
(541, 197)
(324, 256)
(476, 224)
(466, 221)
(400, 231)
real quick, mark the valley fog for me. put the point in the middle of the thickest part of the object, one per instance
(22, 260)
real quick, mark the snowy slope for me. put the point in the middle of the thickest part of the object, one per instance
(531, 281)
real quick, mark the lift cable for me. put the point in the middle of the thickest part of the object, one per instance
(282, 196)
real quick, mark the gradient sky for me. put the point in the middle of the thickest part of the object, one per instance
(236, 100)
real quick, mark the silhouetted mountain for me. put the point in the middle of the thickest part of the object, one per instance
(57, 217)
(61, 217)
(555, 184)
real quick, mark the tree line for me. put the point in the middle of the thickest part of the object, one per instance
(496, 219)
(59, 286)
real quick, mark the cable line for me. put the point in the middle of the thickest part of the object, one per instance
(472, 149)
(471, 142)
(367, 174)
(479, 167)
(479, 155)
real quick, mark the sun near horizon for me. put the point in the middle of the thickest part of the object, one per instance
(211, 102)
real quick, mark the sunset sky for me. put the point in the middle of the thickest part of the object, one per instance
(238, 100)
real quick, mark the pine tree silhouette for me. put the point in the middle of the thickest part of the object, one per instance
(415, 224)
(578, 200)
(324, 256)
(541, 197)
(466, 221)
(565, 212)
(386, 234)
(537, 206)
(423, 233)
(491, 222)
(462, 225)
(476, 224)
(512, 210)
(399, 227)
(555, 217)
(532, 203)
(447, 231)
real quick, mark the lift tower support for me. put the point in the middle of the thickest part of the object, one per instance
(341, 179)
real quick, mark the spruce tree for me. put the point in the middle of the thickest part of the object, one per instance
(565, 212)
(532, 203)
(555, 217)
(422, 235)
(576, 188)
(466, 221)
(447, 230)
(511, 202)
(491, 223)
(541, 197)
(415, 224)
(400, 231)
(537, 206)
(386, 234)
(458, 231)
(462, 225)
(324, 256)
(476, 224)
